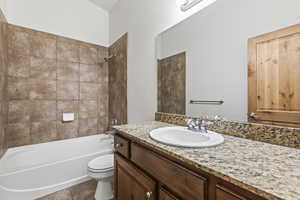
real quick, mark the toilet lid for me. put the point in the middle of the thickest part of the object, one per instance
(102, 162)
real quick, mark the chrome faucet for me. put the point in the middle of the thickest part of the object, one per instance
(198, 125)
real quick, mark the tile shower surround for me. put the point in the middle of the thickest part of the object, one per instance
(3, 83)
(171, 84)
(49, 75)
(118, 81)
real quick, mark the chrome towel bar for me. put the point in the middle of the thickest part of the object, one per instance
(207, 102)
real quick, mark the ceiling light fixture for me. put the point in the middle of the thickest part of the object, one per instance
(187, 4)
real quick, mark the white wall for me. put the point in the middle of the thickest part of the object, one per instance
(144, 20)
(79, 19)
(3, 6)
(215, 40)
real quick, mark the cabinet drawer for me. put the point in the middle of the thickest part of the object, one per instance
(184, 183)
(122, 146)
(223, 193)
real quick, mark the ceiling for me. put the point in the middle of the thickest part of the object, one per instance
(105, 4)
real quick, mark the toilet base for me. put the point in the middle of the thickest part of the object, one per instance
(104, 189)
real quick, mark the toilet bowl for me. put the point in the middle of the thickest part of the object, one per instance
(102, 170)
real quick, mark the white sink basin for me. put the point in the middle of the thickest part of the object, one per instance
(182, 137)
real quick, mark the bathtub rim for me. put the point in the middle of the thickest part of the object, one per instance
(15, 150)
(106, 151)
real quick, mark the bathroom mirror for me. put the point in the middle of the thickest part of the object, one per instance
(202, 63)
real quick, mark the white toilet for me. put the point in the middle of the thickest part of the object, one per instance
(102, 169)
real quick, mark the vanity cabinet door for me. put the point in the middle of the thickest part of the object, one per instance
(274, 77)
(186, 184)
(164, 195)
(131, 183)
(225, 194)
(122, 146)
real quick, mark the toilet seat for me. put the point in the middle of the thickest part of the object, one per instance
(102, 164)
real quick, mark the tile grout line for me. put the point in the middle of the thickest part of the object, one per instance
(29, 89)
(79, 89)
(56, 81)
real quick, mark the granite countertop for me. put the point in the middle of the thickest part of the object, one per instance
(271, 171)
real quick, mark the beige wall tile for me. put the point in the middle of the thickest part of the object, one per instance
(67, 107)
(18, 135)
(103, 90)
(43, 110)
(42, 68)
(103, 109)
(103, 73)
(88, 109)
(18, 41)
(89, 73)
(67, 50)
(102, 53)
(18, 89)
(3, 86)
(43, 132)
(43, 45)
(67, 71)
(19, 111)
(67, 130)
(88, 54)
(103, 124)
(171, 87)
(67, 90)
(18, 66)
(118, 80)
(45, 79)
(2, 80)
(42, 89)
(88, 91)
(88, 126)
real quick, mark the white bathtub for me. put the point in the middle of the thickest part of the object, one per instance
(31, 172)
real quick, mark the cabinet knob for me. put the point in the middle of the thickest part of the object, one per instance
(148, 195)
(252, 115)
(118, 145)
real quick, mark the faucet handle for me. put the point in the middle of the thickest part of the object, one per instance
(198, 122)
(207, 123)
(189, 121)
(218, 118)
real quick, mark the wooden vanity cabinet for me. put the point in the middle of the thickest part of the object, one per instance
(132, 184)
(185, 183)
(144, 173)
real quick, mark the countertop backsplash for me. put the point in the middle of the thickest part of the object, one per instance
(284, 136)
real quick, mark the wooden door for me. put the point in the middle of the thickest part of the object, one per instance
(274, 77)
(164, 195)
(131, 183)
